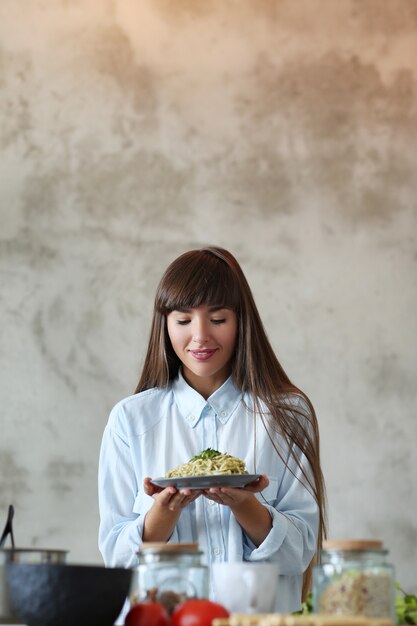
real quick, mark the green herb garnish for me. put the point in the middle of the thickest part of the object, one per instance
(208, 453)
(405, 607)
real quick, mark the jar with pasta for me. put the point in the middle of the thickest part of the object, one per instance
(169, 573)
(354, 578)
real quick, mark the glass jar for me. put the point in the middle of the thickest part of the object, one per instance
(169, 573)
(354, 578)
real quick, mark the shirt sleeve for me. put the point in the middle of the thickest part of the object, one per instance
(122, 505)
(292, 539)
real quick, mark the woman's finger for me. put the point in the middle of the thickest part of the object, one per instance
(166, 495)
(258, 485)
(149, 488)
(177, 501)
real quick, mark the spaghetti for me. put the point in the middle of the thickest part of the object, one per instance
(207, 463)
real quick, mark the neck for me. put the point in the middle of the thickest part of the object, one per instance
(204, 386)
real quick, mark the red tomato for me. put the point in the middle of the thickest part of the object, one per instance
(147, 614)
(197, 613)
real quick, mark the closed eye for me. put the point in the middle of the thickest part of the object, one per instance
(183, 322)
(218, 321)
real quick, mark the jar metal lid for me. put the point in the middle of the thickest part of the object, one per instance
(33, 551)
(352, 544)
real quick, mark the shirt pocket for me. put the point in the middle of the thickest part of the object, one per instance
(270, 493)
(142, 503)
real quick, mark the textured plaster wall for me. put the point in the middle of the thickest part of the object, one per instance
(133, 131)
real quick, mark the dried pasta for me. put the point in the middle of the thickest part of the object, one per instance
(355, 593)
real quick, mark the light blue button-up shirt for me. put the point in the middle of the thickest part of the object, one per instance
(156, 430)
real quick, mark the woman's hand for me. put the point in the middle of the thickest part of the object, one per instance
(169, 497)
(168, 503)
(253, 517)
(233, 497)
(258, 485)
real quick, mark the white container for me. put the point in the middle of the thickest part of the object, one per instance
(246, 587)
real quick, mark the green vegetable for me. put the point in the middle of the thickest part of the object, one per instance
(405, 607)
(307, 606)
(208, 453)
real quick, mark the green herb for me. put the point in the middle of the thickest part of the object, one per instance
(307, 606)
(209, 453)
(405, 607)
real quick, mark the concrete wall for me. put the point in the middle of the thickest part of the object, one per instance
(133, 131)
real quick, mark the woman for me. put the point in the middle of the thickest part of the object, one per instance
(211, 379)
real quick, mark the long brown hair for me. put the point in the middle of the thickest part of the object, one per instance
(212, 276)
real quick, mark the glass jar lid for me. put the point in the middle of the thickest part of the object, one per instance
(159, 547)
(154, 552)
(352, 544)
(351, 550)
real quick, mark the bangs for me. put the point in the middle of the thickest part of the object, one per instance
(197, 279)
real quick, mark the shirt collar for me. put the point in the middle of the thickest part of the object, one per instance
(224, 401)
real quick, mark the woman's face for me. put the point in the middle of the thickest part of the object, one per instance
(204, 340)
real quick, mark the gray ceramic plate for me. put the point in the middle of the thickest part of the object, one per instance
(205, 482)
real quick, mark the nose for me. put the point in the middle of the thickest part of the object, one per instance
(201, 333)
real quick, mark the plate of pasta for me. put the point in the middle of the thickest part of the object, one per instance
(208, 469)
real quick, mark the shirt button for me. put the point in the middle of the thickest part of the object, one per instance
(216, 551)
(190, 418)
(211, 502)
(223, 413)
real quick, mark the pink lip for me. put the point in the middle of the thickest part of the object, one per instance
(202, 355)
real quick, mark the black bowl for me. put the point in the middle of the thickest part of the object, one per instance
(44, 594)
